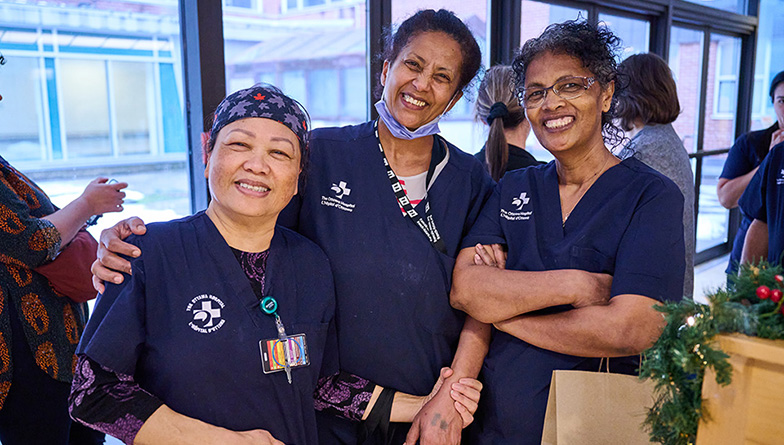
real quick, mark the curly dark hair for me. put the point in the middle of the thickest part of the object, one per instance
(596, 47)
(428, 20)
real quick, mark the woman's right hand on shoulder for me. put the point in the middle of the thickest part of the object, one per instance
(256, 437)
(109, 264)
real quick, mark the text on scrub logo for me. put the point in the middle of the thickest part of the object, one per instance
(341, 189)
(520, 201)
(206, 310)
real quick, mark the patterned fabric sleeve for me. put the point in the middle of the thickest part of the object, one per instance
(344, 395)
(26, 240)
(108, 401)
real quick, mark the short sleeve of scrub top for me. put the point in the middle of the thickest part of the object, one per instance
(122, 307)
(752, 201)
(650, 248)
(487, 228)
(740, 160)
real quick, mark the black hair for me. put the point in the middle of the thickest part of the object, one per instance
(496, 91)
(596, 47)
(777, 79)
(428, 20)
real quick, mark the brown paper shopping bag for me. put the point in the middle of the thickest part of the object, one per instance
(589, 408)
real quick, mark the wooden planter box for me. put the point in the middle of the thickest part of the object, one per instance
(751, 409)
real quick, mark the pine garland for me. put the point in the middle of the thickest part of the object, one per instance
(751, 304)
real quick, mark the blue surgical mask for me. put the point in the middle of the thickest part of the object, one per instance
(400, 131)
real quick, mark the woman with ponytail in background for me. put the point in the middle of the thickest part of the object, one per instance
(498, 107)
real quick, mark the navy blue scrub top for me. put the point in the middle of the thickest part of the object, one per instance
(742, 159)
(209, 367)
(764, 200)
(628, 224)
(395, 325)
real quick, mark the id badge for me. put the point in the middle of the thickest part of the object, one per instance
(273, 356)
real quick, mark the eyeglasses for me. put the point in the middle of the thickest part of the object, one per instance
(568, 88)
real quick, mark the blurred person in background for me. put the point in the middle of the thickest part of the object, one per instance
(647, 106)
(39, 326)
(743, 162)
(498, 108)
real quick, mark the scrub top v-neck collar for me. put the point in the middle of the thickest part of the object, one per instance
(555, 212)
(277, 260)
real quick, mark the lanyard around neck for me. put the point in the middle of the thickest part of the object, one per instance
(427, 225)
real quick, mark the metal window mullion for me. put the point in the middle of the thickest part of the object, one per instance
(701, 123)
(503, 30)
(60, 105)
(662, 31)
(204, 82)
(113, 130)
(379, 17)
(44, 128)
(155, 110)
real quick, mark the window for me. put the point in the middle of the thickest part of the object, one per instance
(686, 64)
(85, 95)
(22, 138)
(245, 4)
(318, 59)
(737, 6)
(105, 100)
(535, 16)
(295, 5)
(634, 33)
(727, 67)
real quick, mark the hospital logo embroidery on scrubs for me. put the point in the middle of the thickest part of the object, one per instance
(341, 191)
(206, 311)
(518, 202)
(780, 179)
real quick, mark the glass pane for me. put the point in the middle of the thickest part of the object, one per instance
(722, 92)
(535, 17)
(634, 34)
(686, 65)
(738, 6)
(769, 61)
(133, 88)
(21, 137)
(307, 56)
(85, 95)
(103, 100)
(458, 125)
(712, 219)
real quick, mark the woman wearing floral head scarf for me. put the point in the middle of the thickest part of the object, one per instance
(226, 325)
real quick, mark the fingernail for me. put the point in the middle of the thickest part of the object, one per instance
(117, 280)
(136, 253)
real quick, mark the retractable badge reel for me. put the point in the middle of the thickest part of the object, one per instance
(270, 307)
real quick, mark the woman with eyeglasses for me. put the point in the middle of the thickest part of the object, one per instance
(567, 259)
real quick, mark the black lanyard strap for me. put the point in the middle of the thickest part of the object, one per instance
(427, 225)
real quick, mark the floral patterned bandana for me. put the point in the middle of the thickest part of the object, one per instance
(265, 101)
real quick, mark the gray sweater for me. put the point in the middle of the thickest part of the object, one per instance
(659, 147)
